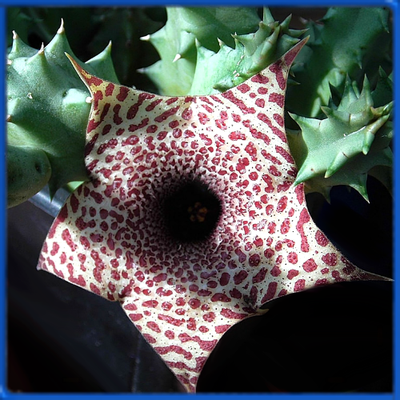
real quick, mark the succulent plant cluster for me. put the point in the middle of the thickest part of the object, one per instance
(47, 116)
(344, 107)
(207, 51)
(340, 97)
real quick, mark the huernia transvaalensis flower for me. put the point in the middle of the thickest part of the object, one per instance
(191, 219)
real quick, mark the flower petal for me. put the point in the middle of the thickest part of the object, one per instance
(111, 236)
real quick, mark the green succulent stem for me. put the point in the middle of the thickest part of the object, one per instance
(48, 115)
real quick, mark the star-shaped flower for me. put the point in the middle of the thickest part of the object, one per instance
(191, 219)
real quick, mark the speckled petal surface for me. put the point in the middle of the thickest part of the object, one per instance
(110, 237)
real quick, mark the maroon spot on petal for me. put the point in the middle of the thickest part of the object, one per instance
(241, 255)
(260, 103)
(166, 114)
(160, 277)
(299, 285)
(285, 227)
(97, 197)
(66, 236)
(194, 303)
(260, 275)
(54, 249)
(330, 259)
(150, 303)
(235, 294)
(321, 239)
(278, 118)
(259, 79)
(251, 150)
(237, 135)
(153, 326)
(109, 89)
(135, 317)
(276, 68)
(224, 280)
(130, 307)
(169, 334)
(171, 320)
(275, 271)
(282, 203)
(243, 88)
(227, 313)
(280, 150)
(89, 146)
(162, 292)
(283, 187)
(171, 100)
(187, 114)
(304, 218)
(239, 103)
(222, 328)
(74, 202)
(206, 345)
(268, 253)
(220, 297)
(254, 260)
(292, 273)
(240, 277)
(277, 98)
(166, 306)
(149, 338)
(153, 104)
(336, 276)
(292, 257)
(349, 269)
(270, 292)
(123, 93)
(262, 90)
(310, 265)
(209, 317)
(94, 288)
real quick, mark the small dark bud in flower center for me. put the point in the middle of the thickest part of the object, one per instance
(191, 212)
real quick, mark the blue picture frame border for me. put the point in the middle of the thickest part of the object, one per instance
(4, 393)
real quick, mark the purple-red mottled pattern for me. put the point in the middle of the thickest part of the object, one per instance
(109, 237)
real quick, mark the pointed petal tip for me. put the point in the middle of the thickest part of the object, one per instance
(292, 53)
(85, 76)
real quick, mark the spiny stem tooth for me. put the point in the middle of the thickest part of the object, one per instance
(89, 99)
(61, 29)
(15, 35)
(9, 118)
(41, 50)
(177, 57)
(145, 38)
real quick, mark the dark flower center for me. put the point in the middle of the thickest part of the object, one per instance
(191, 212)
